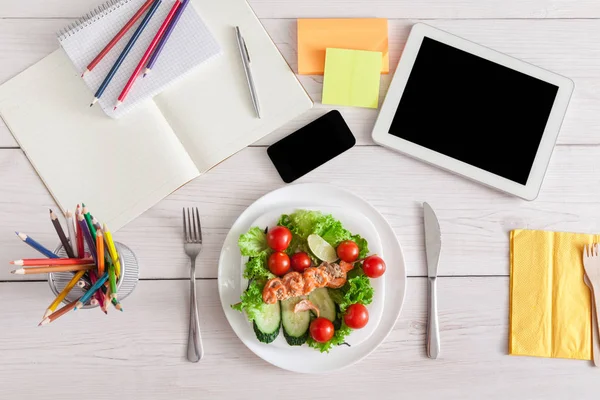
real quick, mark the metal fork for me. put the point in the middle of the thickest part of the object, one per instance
(192, 238)
(591, 261)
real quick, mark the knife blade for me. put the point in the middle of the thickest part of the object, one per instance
(433, 247)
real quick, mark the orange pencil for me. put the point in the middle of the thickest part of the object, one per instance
(27, 262)
(100, 251)
(57, 268)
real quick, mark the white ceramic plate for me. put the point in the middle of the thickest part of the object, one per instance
(325, 197)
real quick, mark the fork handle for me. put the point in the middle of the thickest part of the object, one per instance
(194, 349)
(596, 328)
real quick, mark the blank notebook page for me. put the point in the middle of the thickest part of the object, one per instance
(190, 44)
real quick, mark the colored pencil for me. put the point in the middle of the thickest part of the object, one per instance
(83, 284)
(118, 36)
(87, 235)
(106, 294)
(59, 313)
(34, 262)
(147, 54)
(36, 245)
(126, 51)
(100, 251)
(64, 293)
(88, 220)
(61, 235)
(98, 296)
(93, 289)
(165, 37)
(113, 282)
(112, 250)
(71, 232)
(58, 268)
(79, 234)
(96, 223)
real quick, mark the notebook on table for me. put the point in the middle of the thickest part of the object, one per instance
(121, 167)
(190, 44)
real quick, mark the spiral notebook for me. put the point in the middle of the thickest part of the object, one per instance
(121, 167)
(190, 44)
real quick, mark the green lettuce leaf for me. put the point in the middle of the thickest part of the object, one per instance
(251, 301)
(256, 267)
(339, 337)
(357, 289)
(253, 242)
(363, 246)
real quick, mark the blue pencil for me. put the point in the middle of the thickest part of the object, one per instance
(36, 245)
(87, 235)
(84, 299)
(165, 37)
(126, 51)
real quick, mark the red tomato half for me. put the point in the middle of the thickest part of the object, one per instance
(348, 251)
(356, 316)
(279, 263)
(321, 330)
(373, 266)
(279, 238)
(300, 261)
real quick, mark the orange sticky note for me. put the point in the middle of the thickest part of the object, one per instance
(316, 35)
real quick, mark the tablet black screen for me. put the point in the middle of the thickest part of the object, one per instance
(474, 110)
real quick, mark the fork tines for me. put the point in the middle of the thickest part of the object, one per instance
(192, 229)
(591, 250)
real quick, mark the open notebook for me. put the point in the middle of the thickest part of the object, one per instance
(121, 167)
(190, 44)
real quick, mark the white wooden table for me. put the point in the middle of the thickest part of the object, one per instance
(140, 353)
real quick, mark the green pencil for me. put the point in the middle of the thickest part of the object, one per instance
(88, 219)
(113, 281)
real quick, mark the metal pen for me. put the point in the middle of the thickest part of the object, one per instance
(246, 62)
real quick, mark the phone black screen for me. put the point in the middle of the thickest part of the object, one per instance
(311, 146)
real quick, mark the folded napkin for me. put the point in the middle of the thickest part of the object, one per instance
(550, 305)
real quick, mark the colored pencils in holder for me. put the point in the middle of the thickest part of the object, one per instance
(88, 295)
(165, 37)
(61, 234)
(58, 268)
(118, 36)
(88, 219)
(35, 262)
(52, 307)
(36, 245)
(71, 231)
(125, 51)
(147, 54)
(112, 250)
(98, 296)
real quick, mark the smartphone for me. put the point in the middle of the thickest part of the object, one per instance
(311, 146)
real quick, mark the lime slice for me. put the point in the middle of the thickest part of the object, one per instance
(320, 248)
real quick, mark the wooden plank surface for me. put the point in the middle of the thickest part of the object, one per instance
(475, 220)
(564, 46)
(140, 352)
(350, 8)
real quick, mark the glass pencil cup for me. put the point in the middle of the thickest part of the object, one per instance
(127, 280)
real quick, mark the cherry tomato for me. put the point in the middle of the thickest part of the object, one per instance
(321, 330)
(300, 261)
(356, 316)
(373, 266)
(279, 263)
(279, 238)
(348, 251)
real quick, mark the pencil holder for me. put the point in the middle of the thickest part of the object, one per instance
(128, 278)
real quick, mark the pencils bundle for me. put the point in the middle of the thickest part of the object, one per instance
(92, 259)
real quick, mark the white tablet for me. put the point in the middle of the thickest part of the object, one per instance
(473, 111)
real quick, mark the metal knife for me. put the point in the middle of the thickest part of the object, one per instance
(433, 246)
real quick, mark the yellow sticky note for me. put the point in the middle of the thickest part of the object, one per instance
(550, 305)
(352, 78)
(315, 35)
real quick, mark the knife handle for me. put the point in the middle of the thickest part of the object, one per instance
(433, 330)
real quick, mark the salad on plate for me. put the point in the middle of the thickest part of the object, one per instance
(309, 277)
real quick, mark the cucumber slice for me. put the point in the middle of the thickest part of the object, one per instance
(320, 298)
(295, 325)
(267, 323)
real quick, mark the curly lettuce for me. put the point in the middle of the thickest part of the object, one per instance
(357, 289)
(339, 338)
(251, 301)
(253, 243)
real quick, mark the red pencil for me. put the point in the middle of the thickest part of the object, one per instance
(118, 36)
(147, 54)
(28, 262)
(79, 234)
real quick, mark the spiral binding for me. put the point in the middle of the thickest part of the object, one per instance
(96, 14)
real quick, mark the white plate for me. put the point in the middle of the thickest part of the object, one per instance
(356, 223)
(313, 196)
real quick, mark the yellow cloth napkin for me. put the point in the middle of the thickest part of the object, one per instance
(550, 305)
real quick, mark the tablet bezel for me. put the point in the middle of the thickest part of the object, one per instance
(382, 136)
